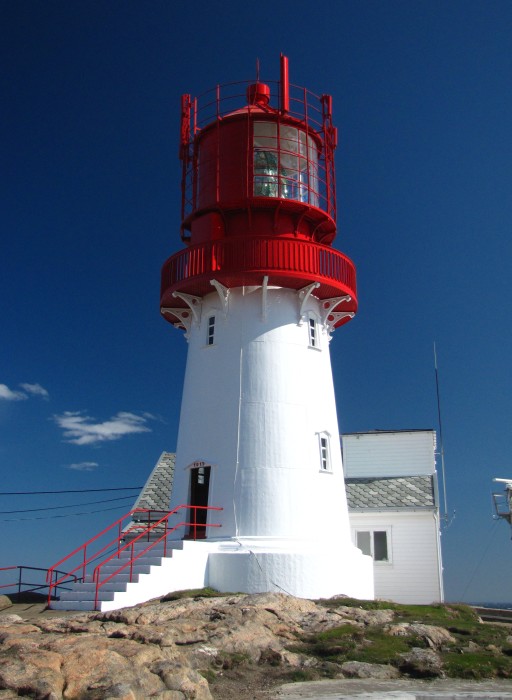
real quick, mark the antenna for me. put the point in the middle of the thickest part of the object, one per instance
(441, 445)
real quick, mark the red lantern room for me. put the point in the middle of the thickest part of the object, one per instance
(258, 196)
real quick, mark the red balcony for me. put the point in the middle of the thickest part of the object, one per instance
(244, 261)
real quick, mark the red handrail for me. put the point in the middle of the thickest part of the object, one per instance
(146, 531)
(129, 545)
(83, 548)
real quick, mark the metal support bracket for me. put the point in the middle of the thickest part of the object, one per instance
(329, 304)
(184, 316)
(193, 303)
(223, 293)
(304, 295)
(337, 316)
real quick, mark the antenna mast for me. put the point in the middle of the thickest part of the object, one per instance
(441, 445)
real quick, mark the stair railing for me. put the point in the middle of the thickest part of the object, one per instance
(129, 546)
(118, 543)
(80, 570)
(26, 588)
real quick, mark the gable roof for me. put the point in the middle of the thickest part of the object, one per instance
(156, 494)
(391, 492)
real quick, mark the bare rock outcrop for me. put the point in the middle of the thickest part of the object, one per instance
(360, 669)
(435, 637)
(154, 650)
(187, 648)
(421, 663)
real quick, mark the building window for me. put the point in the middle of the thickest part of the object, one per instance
(325, 454)
(374, 543)
(211, 330)
(313, 333)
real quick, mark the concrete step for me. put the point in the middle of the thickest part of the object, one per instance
(72, 605)
(137, 568)
(116, 592)
(123, 577)
(113, 585)
(86, 595)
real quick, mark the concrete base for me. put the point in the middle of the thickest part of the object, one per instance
(254, 565)
(302, 571)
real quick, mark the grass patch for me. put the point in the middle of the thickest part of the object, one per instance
(227, 661)
(477, 665)
(479, 650)
(208, 674)
(194, 593)
(381, 648)
(349, 643)
(301, 676)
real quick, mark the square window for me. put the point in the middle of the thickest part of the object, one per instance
(374, 543)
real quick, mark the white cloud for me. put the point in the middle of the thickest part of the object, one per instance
(84, 466)
(35, 390)
(84, 430)
(9, 395)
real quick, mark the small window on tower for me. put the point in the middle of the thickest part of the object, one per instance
(313, 333)
(211, 330)
(325, 456)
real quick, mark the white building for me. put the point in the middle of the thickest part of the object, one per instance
(391, 486)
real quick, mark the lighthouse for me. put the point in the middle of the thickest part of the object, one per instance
(259, 291)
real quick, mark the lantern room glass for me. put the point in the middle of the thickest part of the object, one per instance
(285, 163)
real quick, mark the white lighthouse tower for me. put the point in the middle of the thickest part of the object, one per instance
(259, 290)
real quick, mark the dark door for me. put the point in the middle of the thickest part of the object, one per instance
(199, 485)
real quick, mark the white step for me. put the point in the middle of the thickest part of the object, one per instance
(87, 595)
(152, 576)
(72, 605)
(113, 585)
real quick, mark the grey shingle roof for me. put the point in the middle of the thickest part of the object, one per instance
(156, 493)
(390, 492)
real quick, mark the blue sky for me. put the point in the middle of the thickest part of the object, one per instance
(91, 376)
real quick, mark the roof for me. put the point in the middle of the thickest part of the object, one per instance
(390, 492)
(156, 494)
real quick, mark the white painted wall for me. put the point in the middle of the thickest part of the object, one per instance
(414, 573)
(254, 404)
(400, 453)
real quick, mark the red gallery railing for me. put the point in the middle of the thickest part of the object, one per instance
(240, 260)
(148, 529)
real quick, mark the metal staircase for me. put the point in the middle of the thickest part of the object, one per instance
(132, 560)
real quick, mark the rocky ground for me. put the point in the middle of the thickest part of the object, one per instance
(234, 647)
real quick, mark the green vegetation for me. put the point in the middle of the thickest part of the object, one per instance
(478, 650)
(194, 593)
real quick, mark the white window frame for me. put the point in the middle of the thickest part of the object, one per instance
(210, 330)
(324, 446)
(372, 532)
